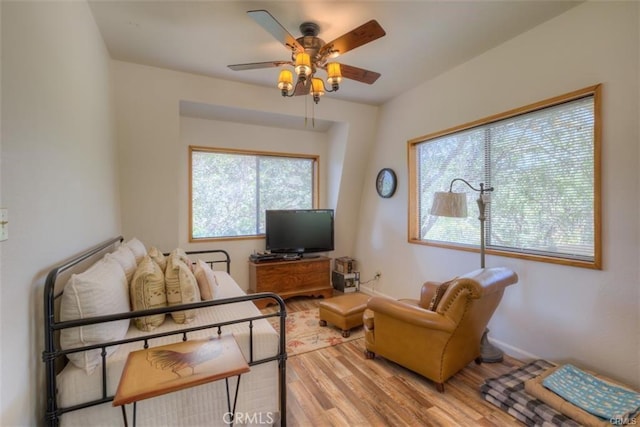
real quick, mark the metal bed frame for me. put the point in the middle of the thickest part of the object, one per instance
(52, 354)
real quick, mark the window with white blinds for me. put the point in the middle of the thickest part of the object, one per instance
(543, 163)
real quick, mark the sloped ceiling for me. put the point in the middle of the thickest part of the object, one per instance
(424, 38)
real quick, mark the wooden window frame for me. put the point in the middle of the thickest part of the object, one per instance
(413, 202)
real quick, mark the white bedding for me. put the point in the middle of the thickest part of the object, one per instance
(201, 405)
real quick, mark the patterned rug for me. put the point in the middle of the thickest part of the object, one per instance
(304, 334)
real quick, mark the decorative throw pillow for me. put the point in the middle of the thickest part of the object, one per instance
(158, 257)
(99, 291)
(126, 259)
(182, 255)
(206, 280)
(137, 248)
(182, 288)
(437, 296)
(148, 291)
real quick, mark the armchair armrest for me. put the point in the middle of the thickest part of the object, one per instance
(411, 314)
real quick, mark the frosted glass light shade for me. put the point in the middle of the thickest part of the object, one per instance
(448, 203)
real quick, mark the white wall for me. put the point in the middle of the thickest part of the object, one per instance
(556, 312)
(219, 134)
(1, 336)
(58, 177)
(153, 156)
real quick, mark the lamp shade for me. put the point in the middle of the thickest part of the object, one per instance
(448, 203)
(285, 80)
(333, 72)
(303, 64)
(317, 87)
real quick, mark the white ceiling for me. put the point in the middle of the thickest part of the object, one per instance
(424, 38)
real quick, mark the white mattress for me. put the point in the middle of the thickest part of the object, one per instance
(201, 405)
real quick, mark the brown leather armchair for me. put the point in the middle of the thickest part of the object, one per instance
(436, 344)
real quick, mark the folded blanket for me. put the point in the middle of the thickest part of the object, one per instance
(535, 388)
(598, 397)
(507, 393)
(509, 409)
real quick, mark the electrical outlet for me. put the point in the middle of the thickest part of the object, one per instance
(4, 224)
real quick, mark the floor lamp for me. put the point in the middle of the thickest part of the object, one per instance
(450, 204)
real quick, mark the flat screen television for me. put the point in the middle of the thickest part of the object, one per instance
(299, 231)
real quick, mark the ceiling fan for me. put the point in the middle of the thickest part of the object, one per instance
(310, 53)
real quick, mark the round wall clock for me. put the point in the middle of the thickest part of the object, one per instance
(386, 182)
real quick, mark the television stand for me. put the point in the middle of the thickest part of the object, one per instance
(303, 277)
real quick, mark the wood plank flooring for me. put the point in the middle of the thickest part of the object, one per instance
(338, 386)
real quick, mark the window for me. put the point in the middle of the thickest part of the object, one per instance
(543, 161)
(230, 190)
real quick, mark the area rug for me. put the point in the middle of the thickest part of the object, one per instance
(304, 334)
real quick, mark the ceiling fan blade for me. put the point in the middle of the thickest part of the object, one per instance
(302, 88)
(364, 34)
(358, 74)
(256, 65)
(273, 27)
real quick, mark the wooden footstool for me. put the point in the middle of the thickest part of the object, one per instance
(344, 311)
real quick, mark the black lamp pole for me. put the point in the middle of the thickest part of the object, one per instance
(488, 352)
(482, 204)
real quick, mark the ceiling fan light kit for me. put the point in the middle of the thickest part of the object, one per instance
(310, 53)
(303, 65)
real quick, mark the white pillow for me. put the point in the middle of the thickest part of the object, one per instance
(137, 248)
(207, 282)
(126, 259)
(99, 291)
(182, 288)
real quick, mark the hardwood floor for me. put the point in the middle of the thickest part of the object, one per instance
(338, 386)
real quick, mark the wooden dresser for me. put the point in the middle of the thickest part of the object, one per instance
(307, 276)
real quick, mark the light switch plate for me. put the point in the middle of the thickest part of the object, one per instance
(4, 224)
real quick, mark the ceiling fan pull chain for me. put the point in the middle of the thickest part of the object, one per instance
(313, 115)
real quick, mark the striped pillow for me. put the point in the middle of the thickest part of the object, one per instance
(158, 257)
(148, 291)
(182, 288)
(182, 256)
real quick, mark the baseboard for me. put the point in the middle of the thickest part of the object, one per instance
(515, 352)
(371, 291)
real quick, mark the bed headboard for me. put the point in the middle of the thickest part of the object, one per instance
(55, 278)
